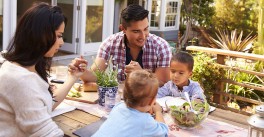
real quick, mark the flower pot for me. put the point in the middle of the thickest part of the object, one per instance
(110, 92)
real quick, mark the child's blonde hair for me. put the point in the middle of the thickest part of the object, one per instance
(141, 88)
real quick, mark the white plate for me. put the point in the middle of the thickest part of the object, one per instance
(170, 101)
(212, 108)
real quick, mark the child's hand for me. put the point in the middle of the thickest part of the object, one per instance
(158, 112)
(156, 108)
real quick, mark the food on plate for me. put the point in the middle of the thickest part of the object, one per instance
(74, 93)
(77, 86)
(185, 118)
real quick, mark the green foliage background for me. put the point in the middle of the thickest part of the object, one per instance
(236, 14)
(206, 73)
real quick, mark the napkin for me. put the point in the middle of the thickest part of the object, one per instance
(62, 108)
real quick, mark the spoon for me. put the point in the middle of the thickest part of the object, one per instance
(189, 101)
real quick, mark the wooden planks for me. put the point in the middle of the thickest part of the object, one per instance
(227, 116)
(67, 125)
(261, 74)
(71, 121)
(81, 117)
(227, 53)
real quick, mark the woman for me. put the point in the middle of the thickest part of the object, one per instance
(26, 98)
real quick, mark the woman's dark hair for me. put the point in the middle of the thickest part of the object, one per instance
(183, 57)
(34, 37)
(133, 12)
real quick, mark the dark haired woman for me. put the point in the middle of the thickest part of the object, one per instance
(26, 98)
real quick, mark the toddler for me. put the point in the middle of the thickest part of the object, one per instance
(131, 118)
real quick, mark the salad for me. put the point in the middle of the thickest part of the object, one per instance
(185, 118)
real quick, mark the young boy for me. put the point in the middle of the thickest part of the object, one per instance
(181, 67)
(131, 118)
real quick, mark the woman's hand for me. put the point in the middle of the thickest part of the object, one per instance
(77, 67)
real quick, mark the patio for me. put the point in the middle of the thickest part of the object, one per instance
(77, 119)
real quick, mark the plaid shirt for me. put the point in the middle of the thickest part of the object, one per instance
(156, 52)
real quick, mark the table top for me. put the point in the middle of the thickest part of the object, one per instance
(76, 119)
(71, 121)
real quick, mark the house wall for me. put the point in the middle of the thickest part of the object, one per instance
(110, 21)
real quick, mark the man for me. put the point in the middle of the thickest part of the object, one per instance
(131, 49)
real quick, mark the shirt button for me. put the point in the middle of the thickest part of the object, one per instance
(124, 62)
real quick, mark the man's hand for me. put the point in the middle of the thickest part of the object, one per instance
(133, 65)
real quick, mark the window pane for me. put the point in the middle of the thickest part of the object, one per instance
(67, 8)
(171, 13)
(94, 21)
(155, 13)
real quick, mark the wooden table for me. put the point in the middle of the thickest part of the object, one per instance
(71, 121)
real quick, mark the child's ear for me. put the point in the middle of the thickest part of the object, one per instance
(190, 74)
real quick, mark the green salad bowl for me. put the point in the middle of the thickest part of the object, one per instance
(184, 117)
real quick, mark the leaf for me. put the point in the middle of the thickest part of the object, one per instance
(107, 78)
(232, 41)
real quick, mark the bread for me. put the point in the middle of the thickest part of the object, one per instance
(91, 86)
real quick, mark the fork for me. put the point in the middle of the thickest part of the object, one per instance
(186, 94)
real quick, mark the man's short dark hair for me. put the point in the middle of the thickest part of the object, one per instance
(133, 12)
(183, 57)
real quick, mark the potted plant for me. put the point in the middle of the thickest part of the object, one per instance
(107, 83)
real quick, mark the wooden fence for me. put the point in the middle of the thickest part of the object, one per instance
(220, 95)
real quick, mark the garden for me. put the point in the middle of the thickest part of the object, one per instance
(227, 41)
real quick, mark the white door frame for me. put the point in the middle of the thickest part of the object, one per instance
(108, 22)
(9, 21)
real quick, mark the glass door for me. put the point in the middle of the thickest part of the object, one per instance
(94, 21)
(71, 10)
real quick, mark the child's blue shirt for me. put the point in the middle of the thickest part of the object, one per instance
(128, 122)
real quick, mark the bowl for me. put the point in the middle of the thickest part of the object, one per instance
(182, 114)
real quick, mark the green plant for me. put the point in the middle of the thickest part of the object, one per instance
(233, 42)
(108, 77)
(246, 78)
(207, 73)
